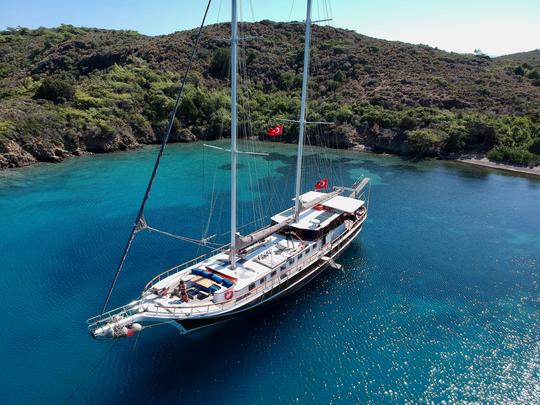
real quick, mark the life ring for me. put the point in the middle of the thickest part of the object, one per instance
(228, 294)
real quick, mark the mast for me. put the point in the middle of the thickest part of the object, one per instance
(307, 43)
(234, 130)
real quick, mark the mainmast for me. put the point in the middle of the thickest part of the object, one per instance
(234, 130)
(307, 43)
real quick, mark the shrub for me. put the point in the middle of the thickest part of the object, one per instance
(533, 74)
(513, 155)
(535, 146)
(441, 82)
(427, 140)
(285, 80)
(339, 77)
(519, 71)
(56, 90)
(407, 123)
(219, 67)
(332, 85)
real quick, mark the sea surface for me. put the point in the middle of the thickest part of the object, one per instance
(438, 299)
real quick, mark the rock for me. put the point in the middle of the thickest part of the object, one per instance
(345, 136)
(13, 155)
(183, 135)
(44, 151)
(99, 140)
(386, 140)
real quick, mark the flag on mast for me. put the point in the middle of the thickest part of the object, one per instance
(321, 184)
(275, 131)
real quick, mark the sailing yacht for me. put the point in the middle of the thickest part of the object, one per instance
(255, 269)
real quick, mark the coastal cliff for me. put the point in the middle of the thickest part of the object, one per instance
(68, 91)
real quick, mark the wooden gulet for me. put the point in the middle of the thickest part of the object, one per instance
(255, 269)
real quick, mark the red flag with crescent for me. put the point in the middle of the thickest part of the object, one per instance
(275, 131)
(321, 184)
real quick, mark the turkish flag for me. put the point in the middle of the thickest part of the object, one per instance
(321, 184)
(275, 131)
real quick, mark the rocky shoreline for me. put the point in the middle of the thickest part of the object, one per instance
(13, 155)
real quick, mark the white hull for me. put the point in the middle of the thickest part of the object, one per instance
(151, 309)
(304, 277)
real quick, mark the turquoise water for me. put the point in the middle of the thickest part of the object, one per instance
(438, 300)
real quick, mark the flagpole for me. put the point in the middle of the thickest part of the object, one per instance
(307, 43)
(234, 131)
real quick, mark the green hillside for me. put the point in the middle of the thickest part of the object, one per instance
(66, 91)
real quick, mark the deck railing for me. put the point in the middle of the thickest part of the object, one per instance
(180, 267)
(134, 307)
(268, 285)
(111, 316)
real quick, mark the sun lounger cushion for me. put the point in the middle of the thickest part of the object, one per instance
(202, 295)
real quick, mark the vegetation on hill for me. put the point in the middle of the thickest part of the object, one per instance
(69, 90)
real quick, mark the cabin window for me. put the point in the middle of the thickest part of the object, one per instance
(261, 280)
(291, 261)
(300, 256)
(283, 276)
(273, 273)
(251, 286)
(282, 268)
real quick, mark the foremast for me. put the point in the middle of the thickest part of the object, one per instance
(307, 44)
(234, 129)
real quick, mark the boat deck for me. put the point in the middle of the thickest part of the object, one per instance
(253, 267)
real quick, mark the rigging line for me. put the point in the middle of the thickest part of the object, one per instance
(156, 164)
(251, 8)
(240, 227)
(219, 11)
(92, 370)
(212, 207)
(156, 324)
(247, 126)
(201, 242)
(330, 8)
(240, 151)
(328, 11)
(290, 14)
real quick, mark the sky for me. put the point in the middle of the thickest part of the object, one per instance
(496, 27)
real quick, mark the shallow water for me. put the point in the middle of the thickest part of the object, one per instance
(438, 300)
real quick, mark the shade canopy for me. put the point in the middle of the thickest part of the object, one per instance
(344, 204)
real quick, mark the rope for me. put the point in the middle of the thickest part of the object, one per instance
(156, 165)
(290, 14)
(201, 242)
(156, 324)
(78, 387)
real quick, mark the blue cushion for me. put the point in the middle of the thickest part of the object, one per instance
(197, 272)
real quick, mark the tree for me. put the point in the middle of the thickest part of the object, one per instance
(479, 53)
(534, 74)
(427, 140)
(56, 90)
(219, 67)
(535, 147)
(519, 71)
